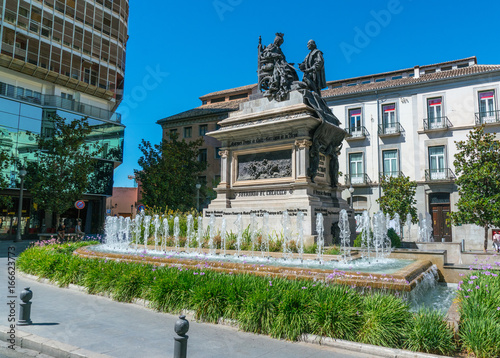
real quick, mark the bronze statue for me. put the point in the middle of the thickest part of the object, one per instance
(275, 74)
(314, 69)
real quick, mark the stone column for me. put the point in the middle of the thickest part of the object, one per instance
(302, 158)
(224, 154)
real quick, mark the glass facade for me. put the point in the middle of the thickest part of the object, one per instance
(82, 40)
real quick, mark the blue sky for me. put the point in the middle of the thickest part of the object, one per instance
(180, 50)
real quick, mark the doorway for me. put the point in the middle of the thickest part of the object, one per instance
(439, 209)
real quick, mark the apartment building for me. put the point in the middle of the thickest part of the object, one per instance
(407, 122)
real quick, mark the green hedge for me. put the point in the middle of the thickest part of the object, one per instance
(277, 307)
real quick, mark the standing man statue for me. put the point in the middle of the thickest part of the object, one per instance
(314, 69)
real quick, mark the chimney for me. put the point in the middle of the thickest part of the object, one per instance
(416, 70)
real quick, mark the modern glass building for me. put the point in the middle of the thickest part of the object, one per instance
(65, 58)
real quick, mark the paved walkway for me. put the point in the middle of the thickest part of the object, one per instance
(101, 325)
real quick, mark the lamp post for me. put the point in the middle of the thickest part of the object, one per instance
(22, 173)
(351, 190)
(198, 186)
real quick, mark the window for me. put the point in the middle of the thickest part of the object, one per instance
(389, 118)
(355, 120)
(202, 155)
(437, 162)
(202, 180)
(66, 96)
(172, 134)
(390, 158)
(435, 113)
(188, 132)
(356, 168)
(203, 129)
(487, 106)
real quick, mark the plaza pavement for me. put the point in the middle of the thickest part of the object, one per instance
(71, 323)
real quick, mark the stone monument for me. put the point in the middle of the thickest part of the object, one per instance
(280, 149)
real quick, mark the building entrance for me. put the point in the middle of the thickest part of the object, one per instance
(440, 208)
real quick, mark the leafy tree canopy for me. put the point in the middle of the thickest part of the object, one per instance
(477, 164)
(169, 173)
(399, 197)
(64, 160)
(5, 161)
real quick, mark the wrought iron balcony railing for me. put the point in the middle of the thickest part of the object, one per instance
(389, 174)
(390, 129)
(357, 133)
(58, 102)
(437, 123)
(439, 174)
(487, 117)
(357, 179)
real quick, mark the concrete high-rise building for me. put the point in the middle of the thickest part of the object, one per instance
(65, 58)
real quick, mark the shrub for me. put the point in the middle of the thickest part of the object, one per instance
(258, 311)
(336, 313)
(291, 318)
(394, 237)
(429, 332)
(384, 321)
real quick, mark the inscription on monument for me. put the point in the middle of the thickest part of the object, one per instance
(264, 139)
(262, 193)
(268, 165)
(258, 213)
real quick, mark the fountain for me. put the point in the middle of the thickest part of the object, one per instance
(408, 225)
(351, 267)
(425, 229)
(320, 241)
(345, 236)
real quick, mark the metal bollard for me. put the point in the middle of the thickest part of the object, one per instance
(462, 245)
(180, 343)
(25, 307)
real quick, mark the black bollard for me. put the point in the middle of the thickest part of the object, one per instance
(25, 307)
(180, 343)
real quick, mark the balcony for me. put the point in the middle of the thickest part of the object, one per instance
(357, 179)
(390, 129)
(357, 133)
(48, 101)
(487, 117)
(443, 174)
(381, 175)
(438, 123)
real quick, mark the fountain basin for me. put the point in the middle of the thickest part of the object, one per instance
(404, 278)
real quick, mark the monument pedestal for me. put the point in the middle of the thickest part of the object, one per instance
(265, 167)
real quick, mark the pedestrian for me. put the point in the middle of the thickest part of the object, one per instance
(78, 230)
(496, 241)
(61, 231)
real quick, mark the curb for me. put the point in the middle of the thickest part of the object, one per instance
(366, 348)
(48, 346)
(34, 342)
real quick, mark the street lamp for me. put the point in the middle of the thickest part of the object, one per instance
(351, 190)
(22, 174)
(198, 186)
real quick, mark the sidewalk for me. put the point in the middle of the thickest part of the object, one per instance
(98, 324)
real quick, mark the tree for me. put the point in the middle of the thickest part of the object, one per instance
(477, 164)
(399, 197)
(170, 172)
(4, 164)
(64, 161)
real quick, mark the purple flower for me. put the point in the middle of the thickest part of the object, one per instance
(477, 287)
(471, 282)
(304, 288)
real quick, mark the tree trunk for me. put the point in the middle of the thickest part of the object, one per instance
(485, 238)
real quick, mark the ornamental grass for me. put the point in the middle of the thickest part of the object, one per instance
(430, 333)
(479, 297)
